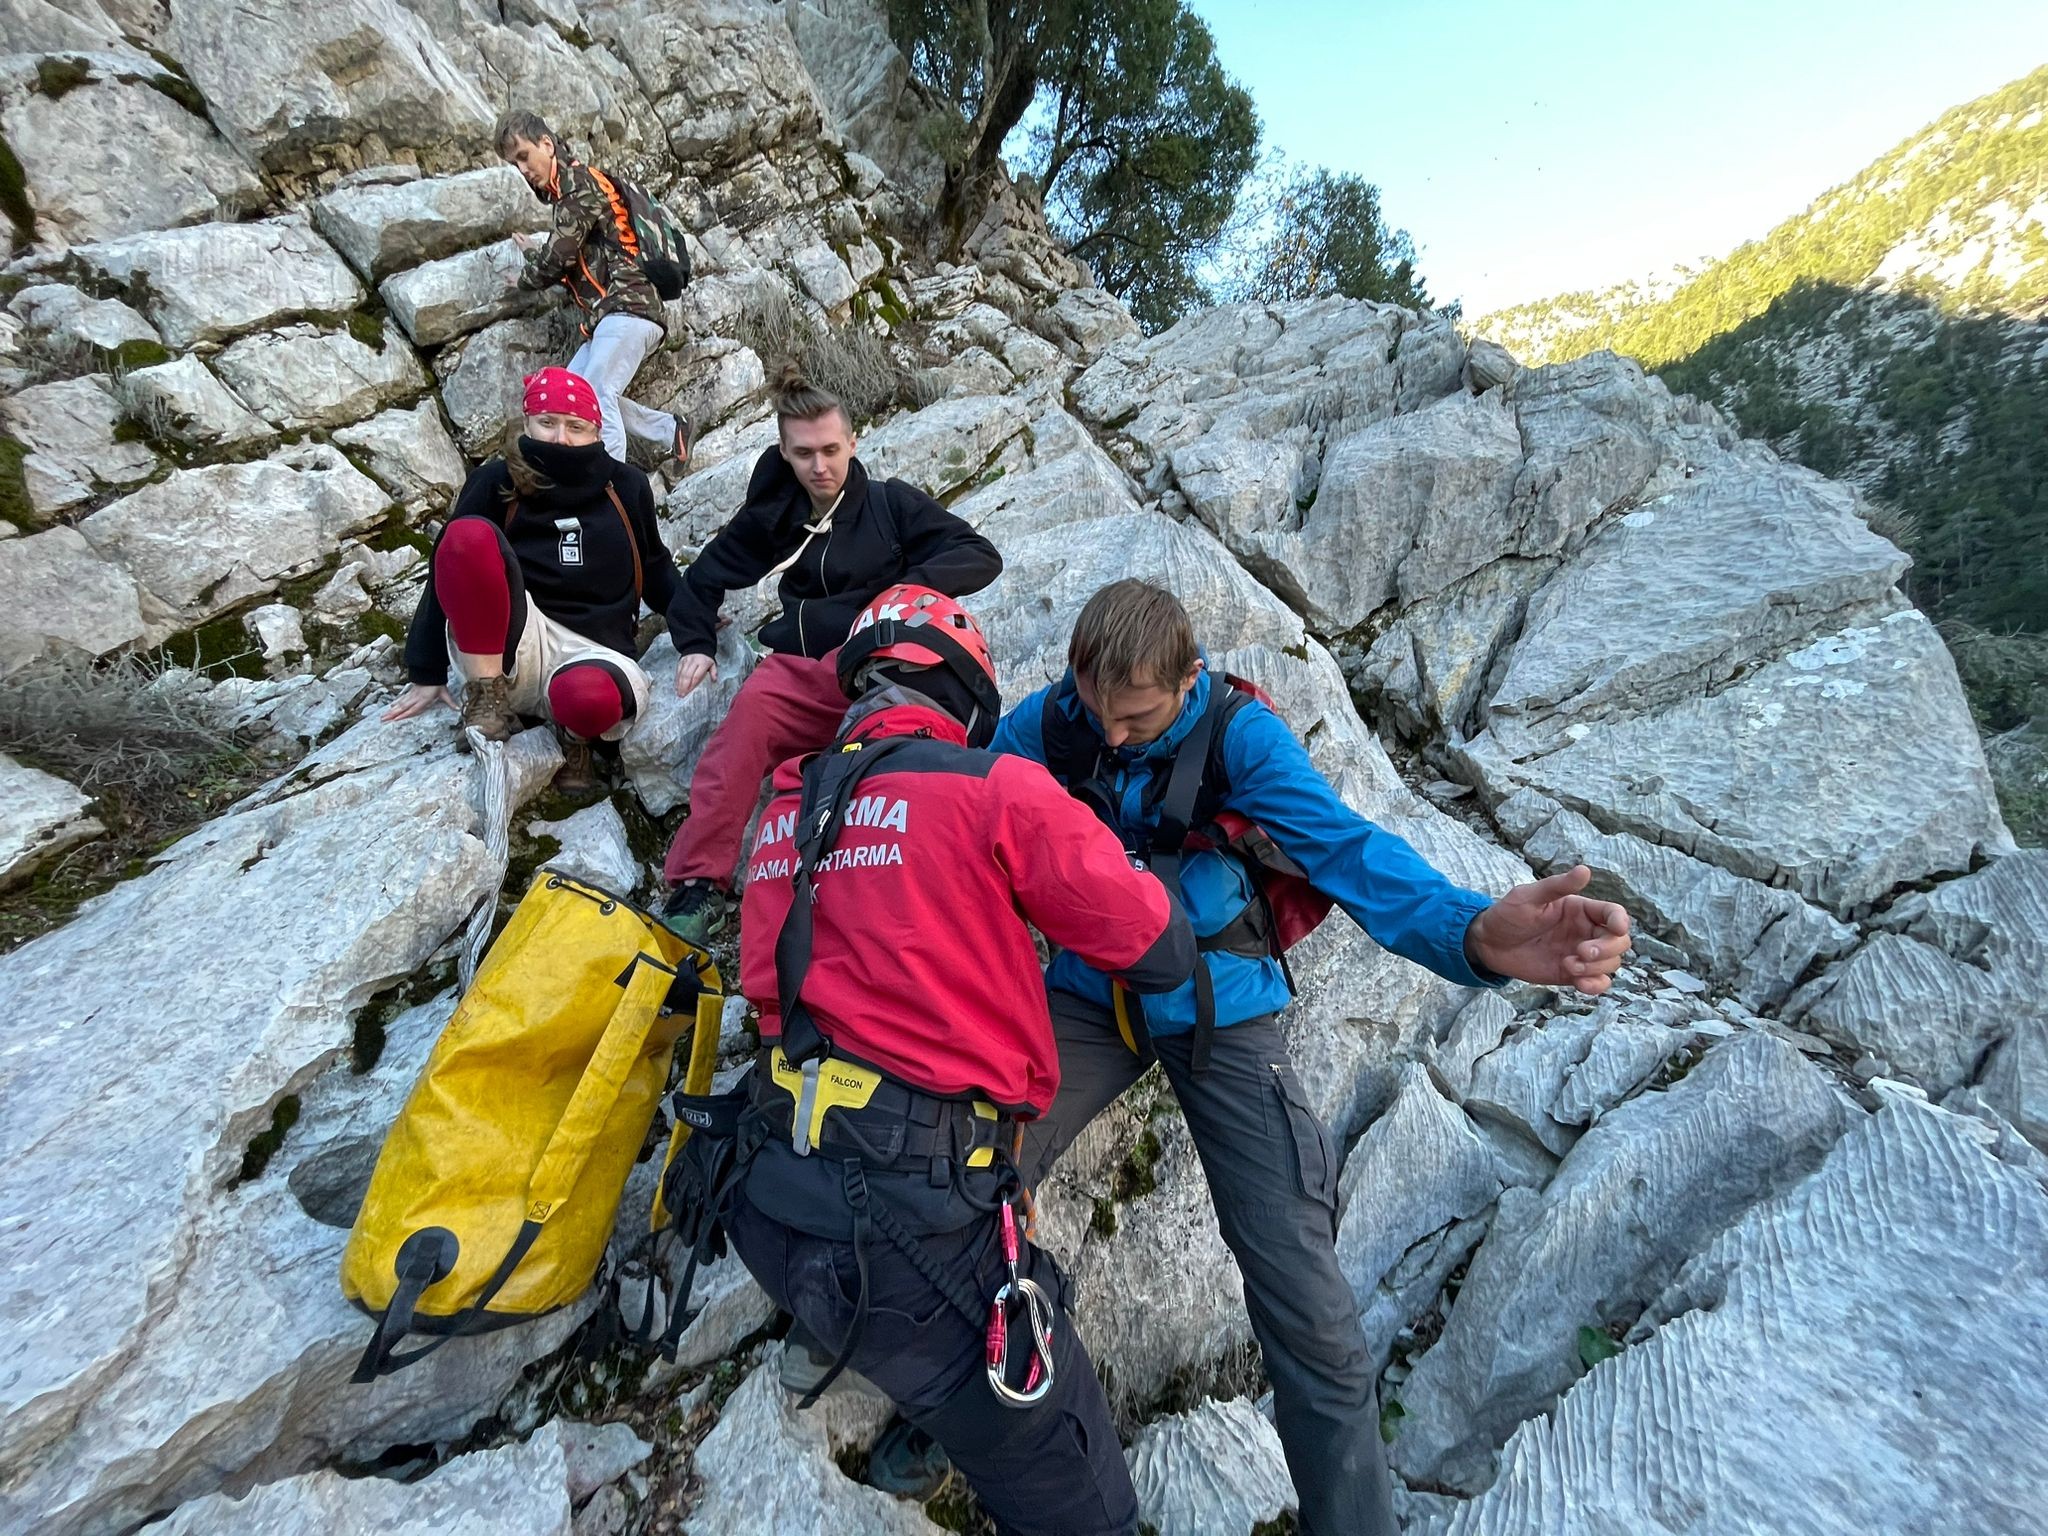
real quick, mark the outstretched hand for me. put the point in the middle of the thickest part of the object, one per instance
(690, 672)
(1545, 932)
(417, 699)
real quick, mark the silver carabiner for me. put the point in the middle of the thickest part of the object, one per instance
(1037, 1309)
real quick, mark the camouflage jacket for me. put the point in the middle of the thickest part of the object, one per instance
(583, 253)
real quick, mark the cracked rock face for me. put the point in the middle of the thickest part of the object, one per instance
(1891, 1287)
(1638, 1194)
(1633, 640)
(212, 1340)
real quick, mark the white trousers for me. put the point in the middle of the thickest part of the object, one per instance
(618, 345)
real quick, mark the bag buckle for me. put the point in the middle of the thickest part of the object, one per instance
(806, 1101)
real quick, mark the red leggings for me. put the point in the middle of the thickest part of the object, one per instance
(473, 579)
(789, 705)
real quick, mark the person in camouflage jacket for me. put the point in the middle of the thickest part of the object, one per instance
(624, 319)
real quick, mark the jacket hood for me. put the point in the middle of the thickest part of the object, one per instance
(884, 712)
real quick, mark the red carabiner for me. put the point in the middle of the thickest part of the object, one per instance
(1037, 1309)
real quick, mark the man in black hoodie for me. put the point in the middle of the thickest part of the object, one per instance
(836, 538)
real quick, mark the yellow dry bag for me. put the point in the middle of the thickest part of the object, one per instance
(495, 1192)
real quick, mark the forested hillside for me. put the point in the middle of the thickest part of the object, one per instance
(1894, 334)
(1957, 214)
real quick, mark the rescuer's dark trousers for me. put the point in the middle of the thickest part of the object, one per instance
(1272, 1174)
(1053, 1469)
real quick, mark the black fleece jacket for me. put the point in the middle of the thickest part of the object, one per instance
(592, 596)
(917, 540)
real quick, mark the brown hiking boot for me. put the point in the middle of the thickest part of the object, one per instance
(487, 708)
(577, 776)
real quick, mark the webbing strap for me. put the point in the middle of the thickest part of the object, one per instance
(868, 1215)
(829, 781)
(416, 1274)
(597, 1092)
(1170, 835)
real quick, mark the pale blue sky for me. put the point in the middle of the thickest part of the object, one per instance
(1537, 147)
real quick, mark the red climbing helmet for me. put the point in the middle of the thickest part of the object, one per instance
(921, 628)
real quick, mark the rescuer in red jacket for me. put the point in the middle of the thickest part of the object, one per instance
(905, 1032)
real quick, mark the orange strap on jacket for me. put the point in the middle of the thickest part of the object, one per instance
(633, 544)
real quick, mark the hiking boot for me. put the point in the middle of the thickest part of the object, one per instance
(577, 776)
(695, 912)
(678, 455)
(908, 1463)
(487, 708)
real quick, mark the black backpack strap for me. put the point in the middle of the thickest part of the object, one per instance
(883, 511)
(829, 782)
(1196, 766)
(1072, 751)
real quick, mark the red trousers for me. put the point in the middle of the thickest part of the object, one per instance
(789, 706)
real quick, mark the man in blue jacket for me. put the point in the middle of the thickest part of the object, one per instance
(1137, 693)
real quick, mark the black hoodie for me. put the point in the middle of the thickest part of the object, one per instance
(592, 591)
(909, 538)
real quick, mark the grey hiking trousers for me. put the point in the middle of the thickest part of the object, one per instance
(1273, 1177)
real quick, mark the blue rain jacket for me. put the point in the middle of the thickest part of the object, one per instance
(1385, 885)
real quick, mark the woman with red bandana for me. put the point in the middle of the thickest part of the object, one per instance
(536, 584)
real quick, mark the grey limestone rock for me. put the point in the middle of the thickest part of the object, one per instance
(947, 445)
(115, 156)
(64, 318)
(304, 377)
(58, 595)
(1637, 1196)
(1215, 1471)
(1090, 322)
(214, 281)
(1840, 770)
(592, 846)
(1755, 938)
(287, 85)
(181, 401)
(596, 1454)
(1670, 600)
(465, 292)
(660, 753)
(768, 1468)
(40, 817)
(480, 380)
(384, 228)
(202, 540)
(1420, 1169)
(1955, 971)
(410, 453)
(511, 1490)
(1778, 1380)
(70, 430)
(1595, 431)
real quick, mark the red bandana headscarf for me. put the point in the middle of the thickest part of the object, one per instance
(558, 392)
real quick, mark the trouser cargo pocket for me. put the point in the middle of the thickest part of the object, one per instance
(1315, 1160)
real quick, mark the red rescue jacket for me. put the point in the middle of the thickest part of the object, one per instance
(921, 962)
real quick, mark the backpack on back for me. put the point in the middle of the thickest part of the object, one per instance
(1187, 794)
(647, 233)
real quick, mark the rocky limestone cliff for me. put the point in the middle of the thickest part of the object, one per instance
(1751, 1245)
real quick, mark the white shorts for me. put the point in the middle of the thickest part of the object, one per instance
(546, 647)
